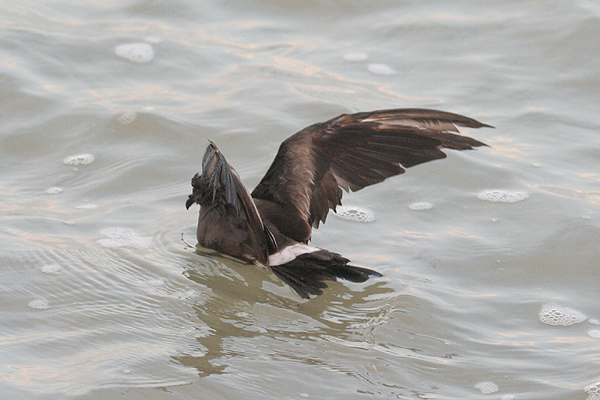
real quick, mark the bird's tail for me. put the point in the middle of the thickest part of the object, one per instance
(307, 272)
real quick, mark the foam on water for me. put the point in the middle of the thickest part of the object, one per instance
(152, 39)
(420, 206)
(79, 159)
(156, 282)
(380, 69)
(553, 314)
(117, 237)
(136, 52)
(86, 206)
(594, 333)
(487, 387)
(39, 304)
(51, 269)
(54, 190)
(126, 118)
(593, 391)
(594, 321)
(352, 213)
(502, 196)
(356, 57)
(508, 397)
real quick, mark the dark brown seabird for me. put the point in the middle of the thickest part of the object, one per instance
(272, 225)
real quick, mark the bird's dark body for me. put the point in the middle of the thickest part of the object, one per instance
(273, 225)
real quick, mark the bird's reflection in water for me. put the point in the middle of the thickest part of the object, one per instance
(247, 304)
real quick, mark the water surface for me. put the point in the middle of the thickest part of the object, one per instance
(101, 297)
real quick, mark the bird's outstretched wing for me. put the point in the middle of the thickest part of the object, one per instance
(353, 151)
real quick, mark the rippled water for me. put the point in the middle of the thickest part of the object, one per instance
(490, 257)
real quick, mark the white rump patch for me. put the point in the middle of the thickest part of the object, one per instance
(287, 254)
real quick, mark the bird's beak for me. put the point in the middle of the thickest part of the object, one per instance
(189, 201)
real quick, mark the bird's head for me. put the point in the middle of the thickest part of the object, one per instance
(215, 183)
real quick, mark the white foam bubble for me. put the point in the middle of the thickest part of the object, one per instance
(136, 52)
(502, 196)
(54, 190)
(86, 206)
(153, 39)
(487, 387)
(553, 314)
(420, 206)
(79, 159)
(355, 57)
(352, 213)
(156, 282)
(117, 237)
(508, 397)
(380, 69)
(126, 118)
(593, 391)
(594, 321)
(39, 304)
(51, 269)
(594, 333)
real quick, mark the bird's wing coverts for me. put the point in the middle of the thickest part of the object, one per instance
(353, 151)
